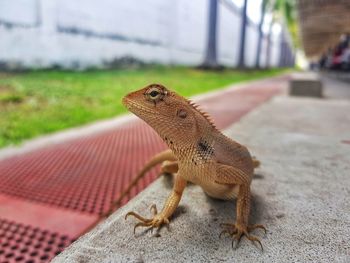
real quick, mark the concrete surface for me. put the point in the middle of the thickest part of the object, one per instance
(301, 193)
(337, 74)
(306, 84)
(336, 86)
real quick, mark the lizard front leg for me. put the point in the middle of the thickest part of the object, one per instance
(170, 205)
(229, 175)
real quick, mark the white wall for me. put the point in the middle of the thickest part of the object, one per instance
(83, 33)
(228, 37)
(251, 42)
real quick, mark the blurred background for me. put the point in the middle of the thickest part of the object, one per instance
(67, 63)
(90, 34)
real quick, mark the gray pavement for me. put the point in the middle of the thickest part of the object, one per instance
(301, 194)
(336, 87)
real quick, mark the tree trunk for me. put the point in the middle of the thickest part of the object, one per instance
(258, 50)
(282, 60)
(268, 46)
(210, 60)
(241, 61)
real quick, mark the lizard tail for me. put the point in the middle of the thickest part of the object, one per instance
(166, 155)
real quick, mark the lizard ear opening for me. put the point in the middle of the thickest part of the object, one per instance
(182, 113)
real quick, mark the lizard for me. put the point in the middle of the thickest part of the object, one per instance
(199, 153)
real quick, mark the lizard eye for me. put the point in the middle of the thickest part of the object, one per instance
(154, 94)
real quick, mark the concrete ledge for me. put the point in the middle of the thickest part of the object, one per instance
(300, 194)
(306, 84)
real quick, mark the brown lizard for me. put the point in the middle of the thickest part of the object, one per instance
(199, 153)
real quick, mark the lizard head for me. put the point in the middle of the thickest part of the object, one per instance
(171, 115)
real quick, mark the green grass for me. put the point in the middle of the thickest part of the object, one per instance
(41, 102)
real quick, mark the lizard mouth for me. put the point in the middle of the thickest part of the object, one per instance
(126, 101)
(140, 110)
(135, 107)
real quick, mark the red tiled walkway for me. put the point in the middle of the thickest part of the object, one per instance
(51, 196)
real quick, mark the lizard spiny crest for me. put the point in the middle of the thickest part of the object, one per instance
(203, 113)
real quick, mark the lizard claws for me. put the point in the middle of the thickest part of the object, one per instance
(252, 227)
(226, 231)
(137, 216)
(236, 232)
(157, 221)
(140, 224)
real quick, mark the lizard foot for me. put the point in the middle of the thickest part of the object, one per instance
(236, 231)
(157, 221)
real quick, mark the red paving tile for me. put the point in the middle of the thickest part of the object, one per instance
(22, 211)
(67, 187)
